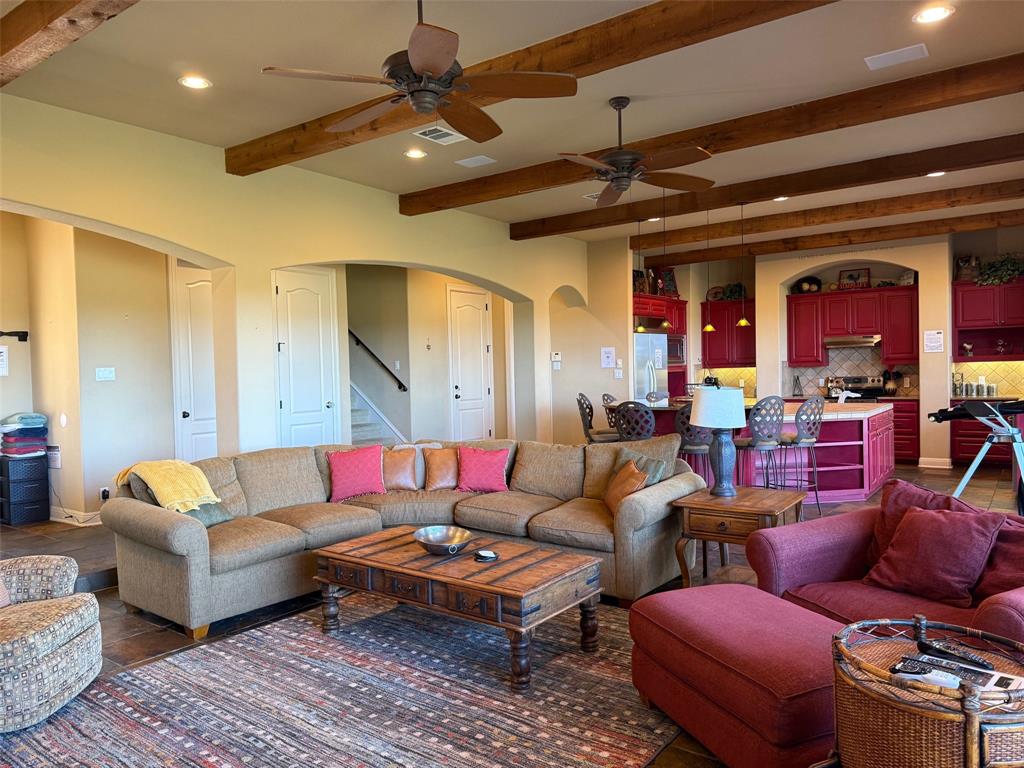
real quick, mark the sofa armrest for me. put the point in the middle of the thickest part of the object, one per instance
(38, 577)
(649, 505)
(156, 527)
(1002, 615)
(828, 549)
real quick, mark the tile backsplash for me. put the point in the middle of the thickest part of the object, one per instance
(858, 361)
(730, 377)
(1007, 376)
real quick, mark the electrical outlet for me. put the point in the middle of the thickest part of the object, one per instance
(104, 494)
(906, 382)
(743, 383)
(821, 382)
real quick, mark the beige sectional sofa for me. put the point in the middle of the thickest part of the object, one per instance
(170, 565)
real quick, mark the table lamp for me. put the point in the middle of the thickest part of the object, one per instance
(720, 410)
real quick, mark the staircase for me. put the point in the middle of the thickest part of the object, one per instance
(369, 425)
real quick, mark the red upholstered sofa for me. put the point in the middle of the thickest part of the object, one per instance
(819, 565)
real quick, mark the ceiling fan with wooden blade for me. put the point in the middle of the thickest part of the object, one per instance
(621, 167)
(429, 78)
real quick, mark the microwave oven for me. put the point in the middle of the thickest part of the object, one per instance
(676, 351)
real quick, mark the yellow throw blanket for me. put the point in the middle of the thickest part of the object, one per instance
(177, 485)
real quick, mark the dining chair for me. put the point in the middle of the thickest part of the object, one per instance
(765, 427)
(608, 401)
(587, 417)
(803, 443)
(634, 421)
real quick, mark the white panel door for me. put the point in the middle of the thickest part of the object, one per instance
(306, 356)
(196, 432)
(469, 348)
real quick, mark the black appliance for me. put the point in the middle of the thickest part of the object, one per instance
(870, 388)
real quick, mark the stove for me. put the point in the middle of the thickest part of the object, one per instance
(870, 388)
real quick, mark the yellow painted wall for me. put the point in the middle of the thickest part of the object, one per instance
(177, 191)
(123, 323)
(16, 387)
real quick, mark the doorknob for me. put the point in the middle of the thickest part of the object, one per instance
(185, 414)
(458, 397)
(456, 387)
(329, 404)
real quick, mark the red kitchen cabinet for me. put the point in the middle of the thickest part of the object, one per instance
(899, 326)
(728, 346)
(966, 438)
(1012, 303)
(744, 352)
(866, 313)
(906, 429)
(676, 316)
(835, 315)
(976, 306)
(805, 348)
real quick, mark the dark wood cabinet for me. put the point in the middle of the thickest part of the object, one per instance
(899, 326)
(729, 345)
(805, 346)
(662, 307)
(1011, 304)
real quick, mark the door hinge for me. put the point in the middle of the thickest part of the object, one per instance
(277, 289)
(488, 390)
(279, 345)
(488, 349)
(488, 433)
(280, 405)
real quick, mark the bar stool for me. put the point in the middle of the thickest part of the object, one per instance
(587, 417)
(765, 425)
(634, 421)
(696, 443)
(808, 428)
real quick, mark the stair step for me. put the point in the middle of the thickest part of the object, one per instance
(371, 432)
(361, 414)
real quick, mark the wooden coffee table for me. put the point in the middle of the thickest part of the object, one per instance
(730, 519)
(525, 587)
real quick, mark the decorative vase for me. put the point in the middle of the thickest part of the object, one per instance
(722, 456)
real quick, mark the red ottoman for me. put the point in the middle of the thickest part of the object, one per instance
(746, 673)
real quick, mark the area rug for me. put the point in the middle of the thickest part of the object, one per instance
(395, 686)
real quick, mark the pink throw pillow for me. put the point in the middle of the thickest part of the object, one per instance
(1005, 568)
(482, 470)
(356, 472)
(937, 554)
(897, 497)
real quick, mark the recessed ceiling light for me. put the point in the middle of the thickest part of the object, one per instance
(415, 154)
(934, 13)
(656, 218)
(780, 199)
(935, 174)
(195, 82)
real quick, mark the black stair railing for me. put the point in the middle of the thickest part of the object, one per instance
(360, 343)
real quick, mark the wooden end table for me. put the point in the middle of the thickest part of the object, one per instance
(525, 587)
(730, 519)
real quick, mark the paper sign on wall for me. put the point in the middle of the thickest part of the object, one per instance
(607, 357)
(4, 360)
(934, 341)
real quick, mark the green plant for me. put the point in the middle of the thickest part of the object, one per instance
(1007, 267)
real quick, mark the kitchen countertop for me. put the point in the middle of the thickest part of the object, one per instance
(848, 411)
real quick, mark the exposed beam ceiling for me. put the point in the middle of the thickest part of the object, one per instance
(960, 85)
(909, 230)
(34, 30)
(830, 214)
(971, 154)
(648, 31)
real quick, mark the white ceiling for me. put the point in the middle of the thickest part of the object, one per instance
(126, 71)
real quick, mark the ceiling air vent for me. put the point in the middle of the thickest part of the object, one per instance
(899, 56)
(475, 161)
(440, 135)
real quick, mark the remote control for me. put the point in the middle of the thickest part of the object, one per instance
(948, 650)
(909, 669)
(485, 556)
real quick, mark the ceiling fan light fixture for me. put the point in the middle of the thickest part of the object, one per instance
(934, 13)
(195, 82)
(415, 153)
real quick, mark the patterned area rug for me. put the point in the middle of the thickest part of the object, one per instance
(395, 686)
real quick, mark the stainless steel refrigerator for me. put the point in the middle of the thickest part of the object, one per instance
(650, 364)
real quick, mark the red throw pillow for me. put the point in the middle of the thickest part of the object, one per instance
(937, 554)
(1005, 568)
(482, 470)
(356, 472)
(897, 497)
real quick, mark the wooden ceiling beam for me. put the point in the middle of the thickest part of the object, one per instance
(34, 30)
(831, 214)
(889, 232)
(960, 85)
(955, 157)
(657, 28)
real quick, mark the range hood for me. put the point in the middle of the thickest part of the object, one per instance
(850, 342)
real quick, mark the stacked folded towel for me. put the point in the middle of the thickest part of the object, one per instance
(24, 435)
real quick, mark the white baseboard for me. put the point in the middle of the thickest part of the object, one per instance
(938, 463)
(74, 517)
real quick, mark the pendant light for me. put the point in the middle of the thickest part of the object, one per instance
(709, 327)
(743, 322)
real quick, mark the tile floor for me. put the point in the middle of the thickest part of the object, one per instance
(132, 639)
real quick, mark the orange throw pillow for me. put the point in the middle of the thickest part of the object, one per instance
(628, 480)
(400, 469)
(442, 468)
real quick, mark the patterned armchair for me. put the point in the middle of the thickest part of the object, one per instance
(49, 639)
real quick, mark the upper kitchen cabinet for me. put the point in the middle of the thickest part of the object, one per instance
(805, 336)
(899, 326)
(976, 306)
(729, 345)
(851, 314)
(662, 308)
(988, 321)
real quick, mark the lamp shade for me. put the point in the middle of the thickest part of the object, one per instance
(715, 408)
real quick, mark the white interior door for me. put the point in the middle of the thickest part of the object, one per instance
(469, 349)
(195, 391)
(307, 356)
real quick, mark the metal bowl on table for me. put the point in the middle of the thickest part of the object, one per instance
(442, 539)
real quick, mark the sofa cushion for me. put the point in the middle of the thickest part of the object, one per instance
(585, 523)
(323, 467)
(249, 540)
(897, 497)
(489, 445)
(413, 507)
(482, 470)
(601, 458)
(224, 481)
(279, 477)
(400, 469)
(920, 560)
(356, 472)
(31, 630)
(326, 523)
(850, 601)
(1004, 570)
(507, 512)
(421, 465)
(767, 662)
(627, 480)
(654, 469)
(548, 470)
(442, 465)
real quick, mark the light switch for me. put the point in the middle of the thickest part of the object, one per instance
(556, 365)
(106, 374)
(618, 364)
(618, 373)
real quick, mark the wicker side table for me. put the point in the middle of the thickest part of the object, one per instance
(882, 721)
